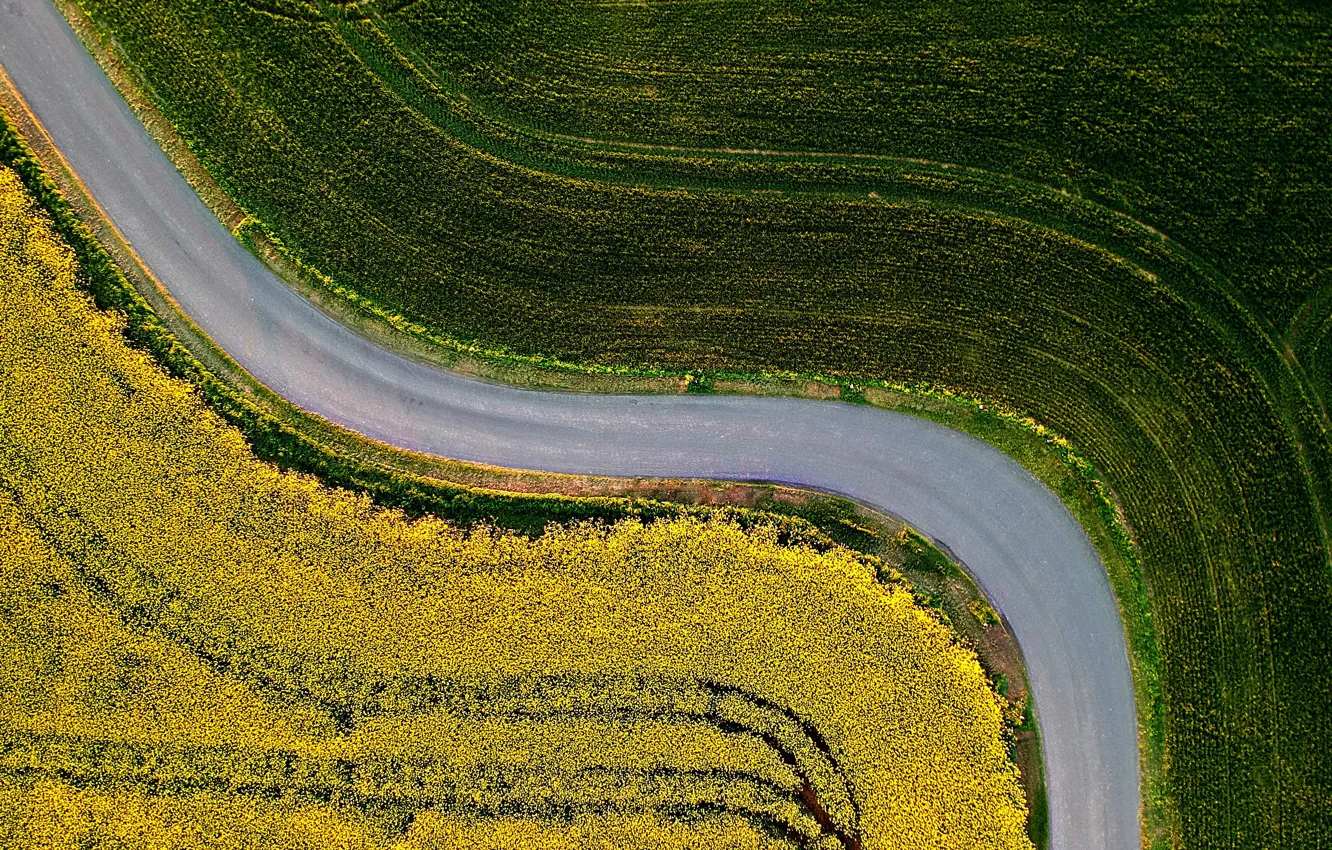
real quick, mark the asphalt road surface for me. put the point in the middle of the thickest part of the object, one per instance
(1028, 553)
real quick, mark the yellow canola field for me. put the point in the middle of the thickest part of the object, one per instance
(199, 651)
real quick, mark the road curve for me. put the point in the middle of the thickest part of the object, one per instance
(1028, 553)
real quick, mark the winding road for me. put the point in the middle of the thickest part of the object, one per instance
(1015, 536)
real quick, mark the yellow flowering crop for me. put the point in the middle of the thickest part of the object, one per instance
(199, 651)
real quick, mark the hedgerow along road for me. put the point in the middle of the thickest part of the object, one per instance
(1033, 560)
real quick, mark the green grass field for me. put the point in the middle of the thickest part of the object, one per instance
(1112, 219)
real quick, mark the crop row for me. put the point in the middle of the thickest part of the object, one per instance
(398, 788)
(1111, 99)
(100, 817)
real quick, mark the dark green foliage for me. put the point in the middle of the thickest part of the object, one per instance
(1110, 97)
(1112, 217)
(921, 556)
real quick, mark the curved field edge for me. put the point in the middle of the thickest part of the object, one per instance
(419, 485)
(1050, 458)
